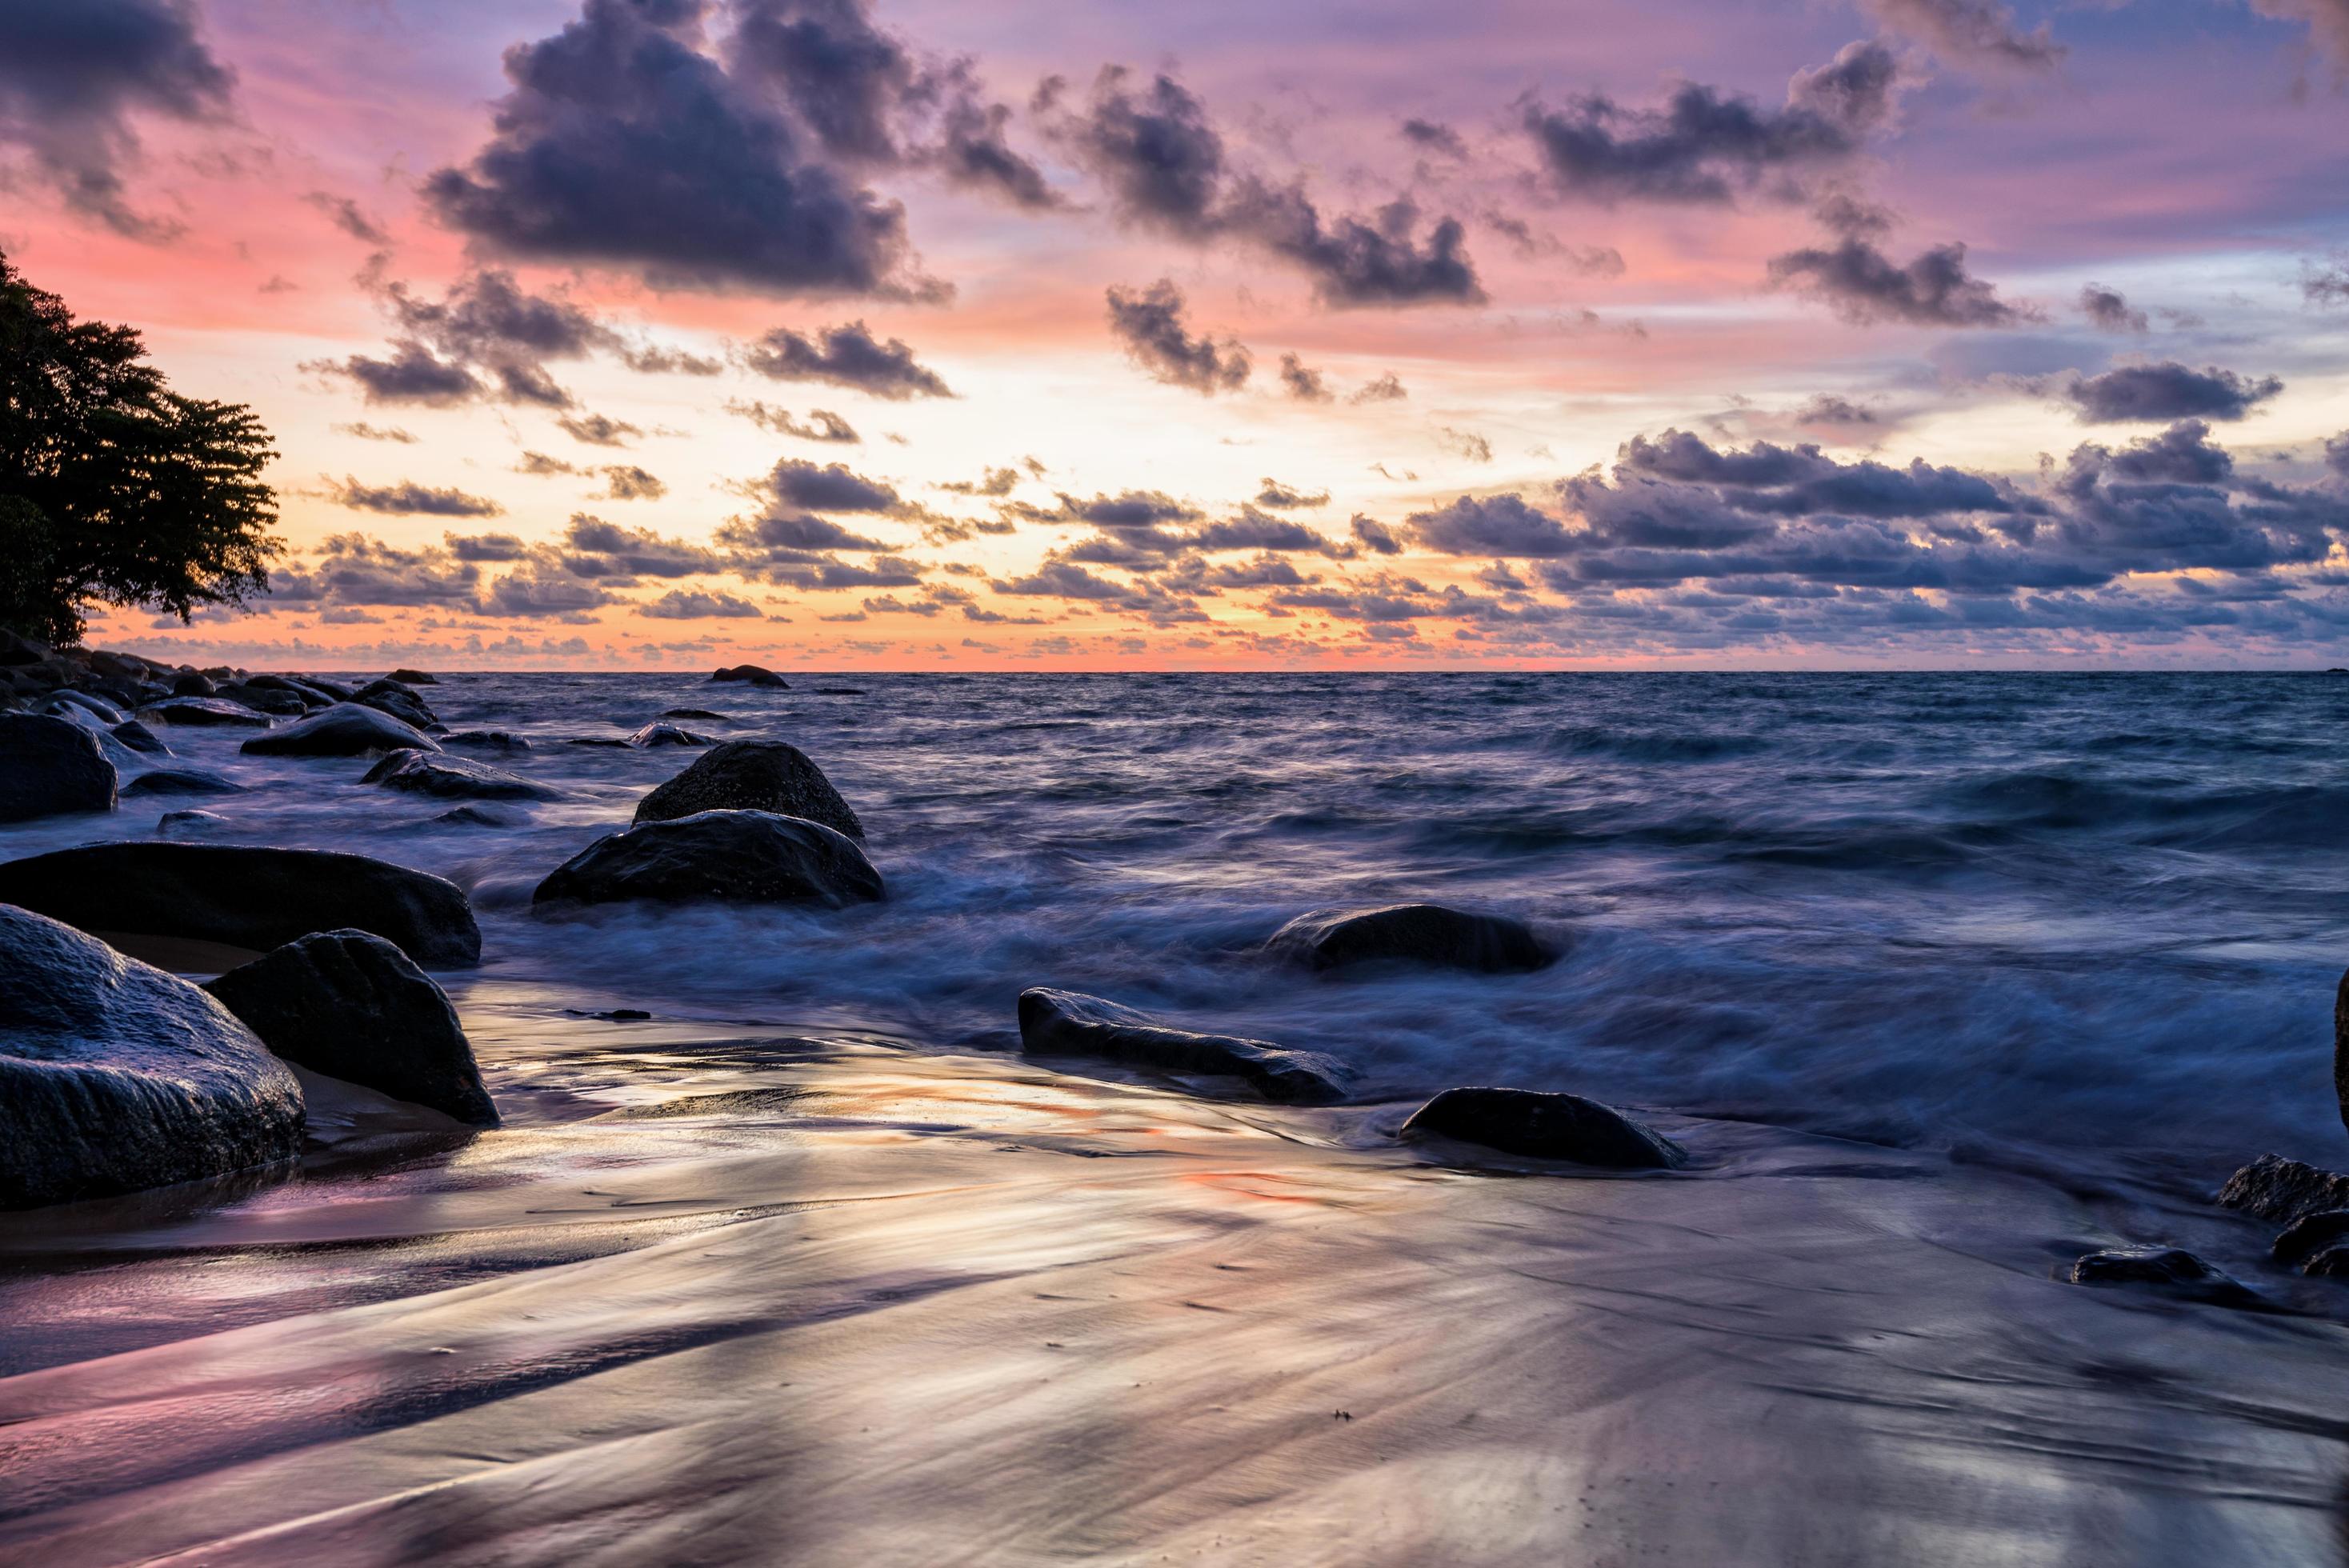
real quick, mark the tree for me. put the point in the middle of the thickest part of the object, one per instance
(113, 488)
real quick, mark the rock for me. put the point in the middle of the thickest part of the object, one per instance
(193, 685)
(730, 857)
(123, 666)
(1068, 1024)
(654, 735)
(16, 650)
(839, 691)
(477, 816)
(310, 693)
(2332, 1263)
(2274, 1188)
(266, 699)
(138, 738)
(452, 778)
(753, 675)
(752, 776)
(695, 713)
(603, 740)
(2310, 1234)
(2173, 1269)
(1544, 1127)
(2341, 1047)
(203, 710)
(181, 781)
(486, 740)
(105, 711)
(50, 766)
(413, 677)
(175, 823)
(244, 896)
(120, 756)
(346, 729)
(352, 1005)
(115, 1077)
(1426, 933)
(391, 698)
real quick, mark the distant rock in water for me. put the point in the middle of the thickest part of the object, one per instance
(49, 767)
(346, 729)
(244, 896)
(2310, 1234)
(487, 741)
(115, 1077)
(2171, 1269)
(452, 778)
(751, 674)
(210, 711)
(2274, 1188)
(752, 776)
(838, 691)
(352, 1005)
(726, 857)
(181, 781)
(1070, 1023)
(138, 738)
(391, 698)
(654, 735)
(1544, 1127)
(1427, 934)
(479, 816)
(180, 823)
(608, 742)
(413, 677)
(695, 713)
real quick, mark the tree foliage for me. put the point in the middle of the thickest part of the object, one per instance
(114, 488)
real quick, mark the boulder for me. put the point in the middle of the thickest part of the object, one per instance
(244, 896)
(752, 776)
(1069, 1024)
(2332, 1263)
(266, 699)
(176, 824)
(138, 738)
(391, 698)
(486, 740)
(2310, 1234)
(608, 742)
(2171, 1269)
(346, 729)
(50, 766)
(114, 750)
(479, 816)
(729, 857)
(695, 713)
(203, 710)
(181, 781)
(452, 778)
(123, 666)
(413, 677)
(105, 711)
(116, 1077)
(193, 684)
(352, 1005)
(751, 674)
(1543, 1126)
(1426, 933)
(16, 650)
(309, 692)
(654, 735)
(2274, 1188)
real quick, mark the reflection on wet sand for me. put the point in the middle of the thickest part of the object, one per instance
(782, 1300)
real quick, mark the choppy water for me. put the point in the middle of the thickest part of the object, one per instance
(2093, 912)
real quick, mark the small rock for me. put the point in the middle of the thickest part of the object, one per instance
(1426, 933)
(727, 857)
(2310, 1234)
(181, 781)
(413, 677)
(654, 735)
(603, 740)
(477, 816)
(2274, 1188)
(2173, 1269)
(839, 691)
(752, 776)
(1070, 1023)
(695, 713)
(346, 729)
(353, 1006)
(49, 767)
(207, 711)
(138, 738)
(1543, 1126)
(2332, 1263)
(753, 675)
(172, 822)
(487, 741)
(452, 778)
(616, 1014)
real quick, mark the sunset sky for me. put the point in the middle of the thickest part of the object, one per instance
(674, 333)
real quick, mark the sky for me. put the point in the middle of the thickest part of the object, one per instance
(909, 336)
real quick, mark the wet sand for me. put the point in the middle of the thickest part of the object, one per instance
(762, 1299)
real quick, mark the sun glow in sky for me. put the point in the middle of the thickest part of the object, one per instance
(906, 335)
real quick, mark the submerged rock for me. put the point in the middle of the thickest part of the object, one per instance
(751, 674)
(181, 781)
(479, 816)
(2332, 1263)
(1070, 1023)
(208, 711)
(413, 677)
(49, 767)
(2310, 1234)
(2274, 1188)
(728, 857)
(452, 778)
(654, 735)
(352, 1005)
(1544, 1126)
(486, 740)
(181, 823)
(1427, 934)
(752, 776)
(2172, 1269)
(138, 738)
(244, 896)
(116, 1077)
(346, 729)
(695, 713)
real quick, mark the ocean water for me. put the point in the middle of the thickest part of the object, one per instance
(2097, 915)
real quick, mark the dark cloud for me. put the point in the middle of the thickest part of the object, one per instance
(787, 537)
(354, 569)
(367, 432)
(2336, 454)
(486, 546)
(1275, 494)
(849, 356)
(2157, 392)
(1062, 579)
(628, 482)
(1705, 146)
(1862, 284)
(1501, 526)
(1150, 323)
(1849, 215)
(408, 498)
(2322, 285)
(652, 359)
(1303, 382)
(797, 483)
(975, 154)
(486, 336)
(2183, 454)
(2108, 310)
(1466, 444)
(592, 548)
(994, 482)
(691, 604)
(821, 425)
(1254, 529)
(1375, 535)
(1979, 32)
(1128, 509)
(1385, 389)
(1433, 136)
(596, 430)
(537, 590)
(347, 216)
(412, 375)
(1377, 259)
(539, 465)
(73, 75)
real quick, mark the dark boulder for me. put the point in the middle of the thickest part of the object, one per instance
(752, 776)
(1544, 1127)
(2332, 1263)
(346, 729)
(391, 698)
(193, 685)
(729, 857)
(106, 712)
(49, 767)
(1069, 1024)
(751, 674)
(16, 650)
(486, 740)
(312, 694)
(695, 713)
(138, 738)
(353, 1006)
(173, 824)
(266, 699)
(244, 896)
(609, 743)
(1426, 933)
(2170, 1269)
(654, 735)
(2274, 1188)
(479, 816)
(413, 677)
(2310, 1234)
(208, 711)
(116, 1077)
(452, 779)
(181, 781)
